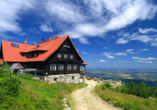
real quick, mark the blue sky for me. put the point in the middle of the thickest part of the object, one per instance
(107, 33)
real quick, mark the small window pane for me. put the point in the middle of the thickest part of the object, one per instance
(74, 67)
(68, 46)
(60, 67)
(81, 68)
(52, 67)
(65, 56)
(71, 56)
(64, 45)
(68, 67)
(59, 55)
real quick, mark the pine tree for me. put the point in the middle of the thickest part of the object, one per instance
(142, 90)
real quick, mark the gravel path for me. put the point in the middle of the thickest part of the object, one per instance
(83, 99)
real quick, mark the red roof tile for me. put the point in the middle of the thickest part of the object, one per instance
(12, 54)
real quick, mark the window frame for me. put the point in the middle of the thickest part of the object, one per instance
(82, 69)
(72, 56)
(59, 54)
(74, 65)
(70, 66)
(55, 67)
(64, 45)
(64, 56)
(59, 68)
(68, 46)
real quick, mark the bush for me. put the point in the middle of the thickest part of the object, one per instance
(27, 76)
(147, 103)
(104, 87)
(118, 88)
(8, 82)
(108, 85)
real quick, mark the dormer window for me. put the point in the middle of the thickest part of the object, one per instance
(71, 56)
(25, 55)
(59, 55)
(65, 56)
(68, 46)
(64, 45)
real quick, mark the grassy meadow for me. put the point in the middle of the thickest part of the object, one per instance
(37, 95)
(125, 101)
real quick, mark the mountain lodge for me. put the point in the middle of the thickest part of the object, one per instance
(53, 58)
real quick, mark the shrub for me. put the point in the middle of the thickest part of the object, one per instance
(147, 103)
(27, 76)
(118, 88)
(104, 87)
(8, 81)
(108, 85)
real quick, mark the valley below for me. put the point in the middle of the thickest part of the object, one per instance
(126, 75)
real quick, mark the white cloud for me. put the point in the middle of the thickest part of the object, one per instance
(138, 58)
(10, 11)
(102, 61)
(122, 41)
(129, 50)
(144, 60)
(46, 28)
(83, 40)
(122, 61)
(105, 48)
(84, 52)
(151, 39)
(149, 62)
(108, 55)
(120, 53)
(64, 11)
(77, 16)
(138, 61)
(144, 49)
(117, 15)
(147, 30)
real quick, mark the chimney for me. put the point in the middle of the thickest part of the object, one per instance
(56, 36)
(25, 41)
(49, 39)
(42, 41)
(34, 43)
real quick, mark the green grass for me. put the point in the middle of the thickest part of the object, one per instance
(125, 101)
(38, 95)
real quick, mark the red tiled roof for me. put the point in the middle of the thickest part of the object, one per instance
(12, 54)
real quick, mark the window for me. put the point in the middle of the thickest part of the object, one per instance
(60, 67)
(59, 55)
(81, 68)
(72, 77)
(14, 45)
(25, 55)
(68, 67)
(65, 56)
(64, 45)
(71, 56)
(68, 46)
(53, 67)
(74, 67)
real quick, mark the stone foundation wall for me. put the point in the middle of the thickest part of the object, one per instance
(68, 78)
